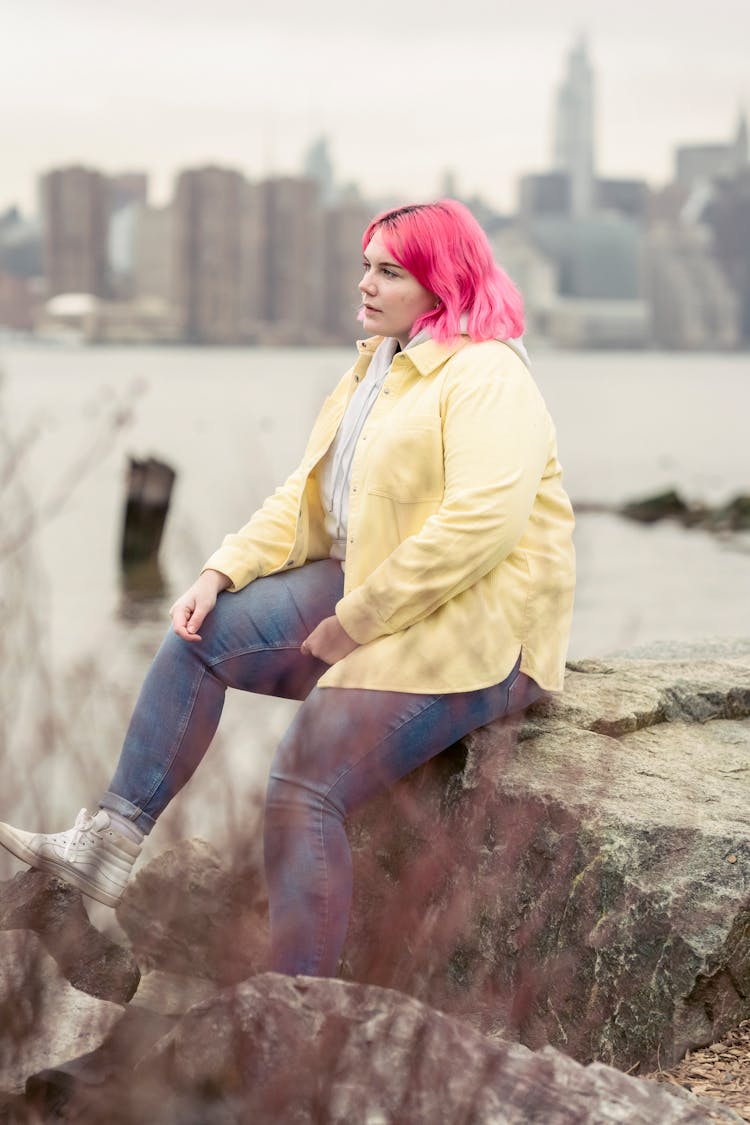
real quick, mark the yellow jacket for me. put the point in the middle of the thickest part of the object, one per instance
(459, 551)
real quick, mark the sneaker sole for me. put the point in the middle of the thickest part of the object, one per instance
(58, 868)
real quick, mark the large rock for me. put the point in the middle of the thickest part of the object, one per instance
(88, 1089)
(44, 1020)
(54, 910)
(580, 880)
(301, 1051)
(583, 880)
(189, 912)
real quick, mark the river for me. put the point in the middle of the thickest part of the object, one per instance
(233, 423)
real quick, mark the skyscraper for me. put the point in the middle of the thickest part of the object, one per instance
(342, 250)
(216, 246)
(293, 296)
(574, 129)
(714, 160)
(317, 166)
(74, 204)
(741, 145)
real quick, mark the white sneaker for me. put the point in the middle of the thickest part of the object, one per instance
(92, 855)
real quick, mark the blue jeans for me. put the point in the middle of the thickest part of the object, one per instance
(344, 746)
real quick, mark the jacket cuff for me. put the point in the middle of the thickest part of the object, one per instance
(235, 568)
(359, 619)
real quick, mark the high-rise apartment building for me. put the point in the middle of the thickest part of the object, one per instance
(698, 163)
(544, 193)
(728, 217)
(344, 225)
(74, 205)
(574, 129)
(126, 188)
(153, 254)
(293, 291)
(217, 255)
(629, 197)
(692, 303)
(317, 165)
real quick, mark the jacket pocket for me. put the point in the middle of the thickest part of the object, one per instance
(406, 461)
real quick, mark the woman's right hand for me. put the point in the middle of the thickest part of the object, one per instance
(192, 608)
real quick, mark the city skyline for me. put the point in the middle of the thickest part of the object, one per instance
(168, 88)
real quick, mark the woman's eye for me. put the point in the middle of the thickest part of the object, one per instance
(388, 273)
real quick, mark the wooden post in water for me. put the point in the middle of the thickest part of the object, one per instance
(149, 489)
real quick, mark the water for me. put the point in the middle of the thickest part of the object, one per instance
(233, 424)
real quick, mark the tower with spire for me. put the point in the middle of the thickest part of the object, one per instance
(741, 150)
(574, 128)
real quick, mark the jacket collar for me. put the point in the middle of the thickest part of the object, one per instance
(425, 357)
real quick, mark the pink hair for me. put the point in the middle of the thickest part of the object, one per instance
(443, 246)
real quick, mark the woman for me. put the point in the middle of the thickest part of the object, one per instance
(411, 581)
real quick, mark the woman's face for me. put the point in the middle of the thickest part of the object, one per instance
(391, 298)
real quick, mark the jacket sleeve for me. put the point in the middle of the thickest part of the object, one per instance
(496, 442)
(267, 541)
(277, 535)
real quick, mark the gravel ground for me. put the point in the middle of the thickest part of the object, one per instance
(720, 1072)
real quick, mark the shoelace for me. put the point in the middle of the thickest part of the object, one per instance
(84, 821)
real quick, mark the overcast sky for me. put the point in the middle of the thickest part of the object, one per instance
(404, 89)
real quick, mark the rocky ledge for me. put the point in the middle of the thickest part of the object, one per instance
(571, 889)
(582, 880)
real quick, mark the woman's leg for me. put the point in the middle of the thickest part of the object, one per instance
(344, 747)
(250, 641)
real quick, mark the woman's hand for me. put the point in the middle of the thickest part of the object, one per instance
(191, 609)
(329, 641)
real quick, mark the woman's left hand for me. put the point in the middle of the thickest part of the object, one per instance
(329, 641)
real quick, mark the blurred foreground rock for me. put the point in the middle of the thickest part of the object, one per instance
(44, 1020)
(186, 912)
(580, 880)
(54, 911)
(276, 1049)
(583, 881)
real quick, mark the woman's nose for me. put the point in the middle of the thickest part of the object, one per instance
(366, 285)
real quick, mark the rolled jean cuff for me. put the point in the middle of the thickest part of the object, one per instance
(130, 811)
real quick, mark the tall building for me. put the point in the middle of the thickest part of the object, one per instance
(128, 193)
(20, 245)
(692, 304)
(293, 295)
(216, 255)
(544, 193)
(16, 303)
(741, 143)
(698, 163)
(153, 257)
(629, 197)
(74, 206)
(318, 166)
(728, 218)
(344, 225)
(574, 129)
(126, 188)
